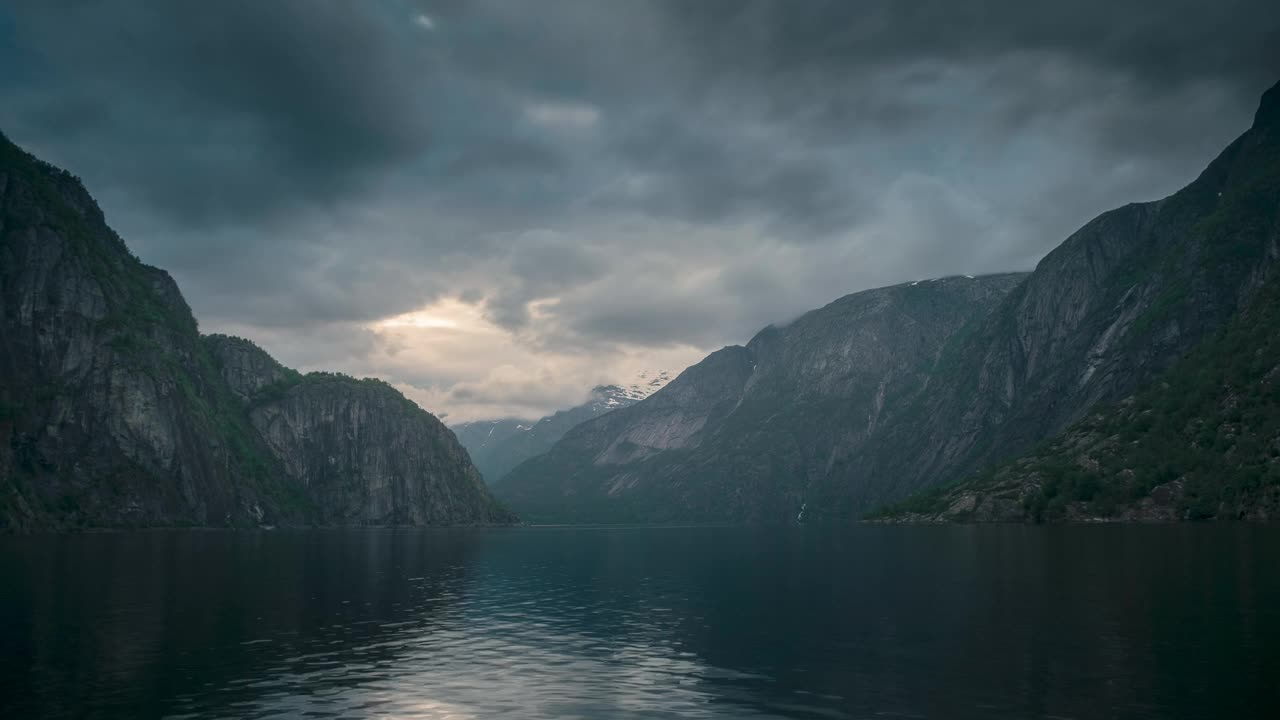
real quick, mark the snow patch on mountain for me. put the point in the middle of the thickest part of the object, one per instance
(498, 445)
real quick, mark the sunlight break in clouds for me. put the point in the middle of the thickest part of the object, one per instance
(452, 360)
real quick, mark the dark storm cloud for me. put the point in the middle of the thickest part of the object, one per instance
(229, 109)
(706, 172)
(503, 155)
(1166, 43)
(597, 175)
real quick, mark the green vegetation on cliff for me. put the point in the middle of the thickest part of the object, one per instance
(119, 416)
(1201, 442)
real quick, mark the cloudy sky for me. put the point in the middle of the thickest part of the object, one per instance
(496, 205)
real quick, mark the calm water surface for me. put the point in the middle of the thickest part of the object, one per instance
(854, 622)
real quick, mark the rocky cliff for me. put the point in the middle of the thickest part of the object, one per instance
(751, 433)
(115, 412)
(363, 453)
(1201, 442)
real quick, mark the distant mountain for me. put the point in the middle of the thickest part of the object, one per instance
(496, 446)
(843, 412)
(115, 411)
(747, 434)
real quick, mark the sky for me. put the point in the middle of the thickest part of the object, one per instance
(497, 205)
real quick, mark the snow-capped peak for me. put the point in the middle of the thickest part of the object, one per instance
(608, 397)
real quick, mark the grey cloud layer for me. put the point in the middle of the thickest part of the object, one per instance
(649, 174)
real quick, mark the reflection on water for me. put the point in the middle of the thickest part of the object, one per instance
(1168, 621)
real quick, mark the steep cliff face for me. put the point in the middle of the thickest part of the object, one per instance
(751, 433)
(115, 412)
(1201, 442)
(362, 452)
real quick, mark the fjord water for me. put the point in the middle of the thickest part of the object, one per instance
(800, 622)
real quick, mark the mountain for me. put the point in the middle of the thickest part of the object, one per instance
(1117, 304)
(750, 432)
(115, 411)
(364, 453)
(496, 446)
